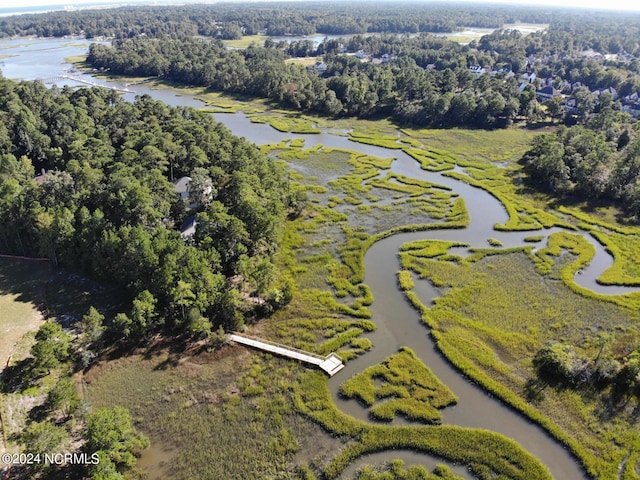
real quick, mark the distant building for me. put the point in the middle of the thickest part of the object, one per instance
(632, 109)
(576, 85)
(625, 56)
(477, 70)
(572, 106)
(611, 91)
(181, 187)
(42, 177)
(386, 58)
(547, 93)
(188, 227)
(320, 68)
(528, 77)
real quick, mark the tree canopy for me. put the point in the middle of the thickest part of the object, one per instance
(106, 204)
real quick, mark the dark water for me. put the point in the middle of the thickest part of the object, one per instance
(398, 323)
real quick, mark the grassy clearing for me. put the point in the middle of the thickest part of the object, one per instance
(408, 387)
(304, 61)
(246, 41)
(22, 284)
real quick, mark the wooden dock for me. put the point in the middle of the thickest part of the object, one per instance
(331, 364)
(82, 80)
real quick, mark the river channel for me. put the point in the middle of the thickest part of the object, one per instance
(398, 324)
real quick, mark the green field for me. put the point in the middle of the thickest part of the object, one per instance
(22, 284)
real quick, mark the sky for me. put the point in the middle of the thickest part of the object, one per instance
(606, 4)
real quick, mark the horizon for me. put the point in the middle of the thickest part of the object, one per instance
(614, 5)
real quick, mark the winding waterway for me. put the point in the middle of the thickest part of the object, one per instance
(398, 324)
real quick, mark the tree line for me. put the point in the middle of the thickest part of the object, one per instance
(233, 21)
(600, 159)
(106, 206)
(402, 89)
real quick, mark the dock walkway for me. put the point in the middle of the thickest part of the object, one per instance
(331, 364)
(83, 80)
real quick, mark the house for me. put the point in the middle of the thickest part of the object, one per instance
(632, 109)
(188, 227)
(504, 72)
(576, 85)
(386, 58)
(611, 91)
(591, 53)
(39, 179)
(477, 70)
(528, 77)
(320, 67)
(181, 187)
(546, 82)
(572, 106)
(361, 54)
(625, 56)
(546, 93)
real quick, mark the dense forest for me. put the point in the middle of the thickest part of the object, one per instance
(234, 20)
(598, 160)
(106, 205)
(604, 32)
(402, 89)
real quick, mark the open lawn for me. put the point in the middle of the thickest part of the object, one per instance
(245, 41)
(22, 284)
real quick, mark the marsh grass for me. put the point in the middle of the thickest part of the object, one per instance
(470, 150)
(498, 310)
(395, 470)
(291, 123)
(212, 413)
(498, 306)
(474, 447)
(501, 145)
(407, 387)
(625, 249)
